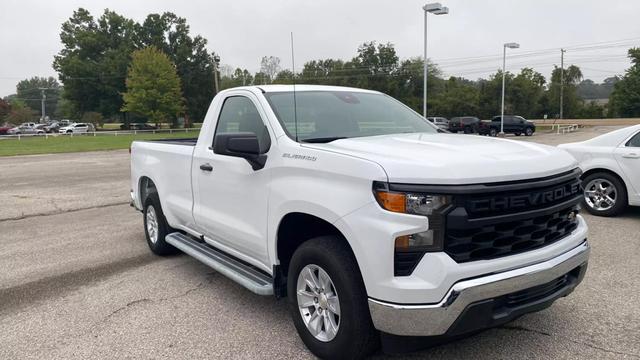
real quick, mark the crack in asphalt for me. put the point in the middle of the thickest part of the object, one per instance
(60, 211)
(146, 300)
(540, 332)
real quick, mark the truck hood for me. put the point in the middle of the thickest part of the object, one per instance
(454, 159)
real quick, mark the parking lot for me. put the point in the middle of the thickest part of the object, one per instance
(78, 281)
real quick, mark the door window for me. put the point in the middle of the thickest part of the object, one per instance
(634, 141)
(239, 114)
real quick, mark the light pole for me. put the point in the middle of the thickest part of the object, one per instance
(437, 9)
(504, 56)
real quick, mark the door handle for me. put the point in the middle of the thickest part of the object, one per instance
(631, 156)
(206, 167)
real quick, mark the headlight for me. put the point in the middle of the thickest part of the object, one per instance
(410, 248)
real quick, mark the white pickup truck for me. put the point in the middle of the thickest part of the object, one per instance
(374, 224)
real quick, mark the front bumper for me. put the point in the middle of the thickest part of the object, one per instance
(477, 303)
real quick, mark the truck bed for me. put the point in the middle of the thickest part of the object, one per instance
(186, 141)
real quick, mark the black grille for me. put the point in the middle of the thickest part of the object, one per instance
(500, 223)
(539, 292)
(509, 237)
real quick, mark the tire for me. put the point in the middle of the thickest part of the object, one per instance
(355, 337)
(467, 130)
(528, 131)
(592, 192)
(517, 134)
(493, 132)
(155, 239)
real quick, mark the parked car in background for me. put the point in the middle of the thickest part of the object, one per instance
(441, 122)
(4, 129)
(75, 128)
(466, 124)
(611, 170)
(25, 129)
(52, 127)
(41, 128)
(138, 126)
(512, 125)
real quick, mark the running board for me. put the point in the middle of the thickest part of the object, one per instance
(245, 275)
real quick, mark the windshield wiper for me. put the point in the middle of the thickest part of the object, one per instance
(323, 139)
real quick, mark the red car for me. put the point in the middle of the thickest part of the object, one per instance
(3, 130)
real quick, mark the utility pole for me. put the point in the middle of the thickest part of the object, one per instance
(216, 59)
(42, 104)
(561, 81)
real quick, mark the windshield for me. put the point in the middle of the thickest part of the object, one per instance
(324, 116)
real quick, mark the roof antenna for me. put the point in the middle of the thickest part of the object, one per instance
(293, 76)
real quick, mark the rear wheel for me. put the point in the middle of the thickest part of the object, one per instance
(467, 130)
(156, 226)
(328, 301)
(493, 132)
(604, 194)
(517, 134)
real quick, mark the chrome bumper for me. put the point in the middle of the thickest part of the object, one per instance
(436, 319)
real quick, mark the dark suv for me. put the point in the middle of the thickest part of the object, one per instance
(467, 124)
(512, 125)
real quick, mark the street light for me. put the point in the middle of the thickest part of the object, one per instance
(511, 45)
(437, 9)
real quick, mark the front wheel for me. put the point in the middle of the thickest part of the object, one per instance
(528, 131)
(328, 302)
(604, 194)
(493, 132)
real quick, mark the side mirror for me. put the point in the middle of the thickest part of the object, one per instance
(242, 144)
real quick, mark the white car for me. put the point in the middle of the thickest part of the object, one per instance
(26, 129)
(441, 122)
(611, 166)
(75, 128)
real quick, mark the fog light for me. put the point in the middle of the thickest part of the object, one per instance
(422, 241)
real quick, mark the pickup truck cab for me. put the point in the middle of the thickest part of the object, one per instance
(371, 223)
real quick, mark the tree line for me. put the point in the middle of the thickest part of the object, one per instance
(112, 68)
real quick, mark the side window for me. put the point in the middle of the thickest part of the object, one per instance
(634, 141)
(239, 114)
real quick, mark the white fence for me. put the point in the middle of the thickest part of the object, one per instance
(564, 128)
(101, 133)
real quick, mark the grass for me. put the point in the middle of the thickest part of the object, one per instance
(66, 144)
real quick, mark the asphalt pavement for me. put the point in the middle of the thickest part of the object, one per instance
(78, 282)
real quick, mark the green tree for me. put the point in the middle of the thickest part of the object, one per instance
(571, 101)
(194, 64)
(284, 77)
(525, 93)
(30, 91)
(93, 62)
(153, 86)
(625, 98)
(459, 98)
(239, 77)
(5, 109)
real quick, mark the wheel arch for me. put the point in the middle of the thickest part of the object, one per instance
(294, 229)
(596, 170)
(146, 186)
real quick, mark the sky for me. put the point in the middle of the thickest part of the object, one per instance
(467, 42)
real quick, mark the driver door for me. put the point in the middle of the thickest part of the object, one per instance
(230, 198)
